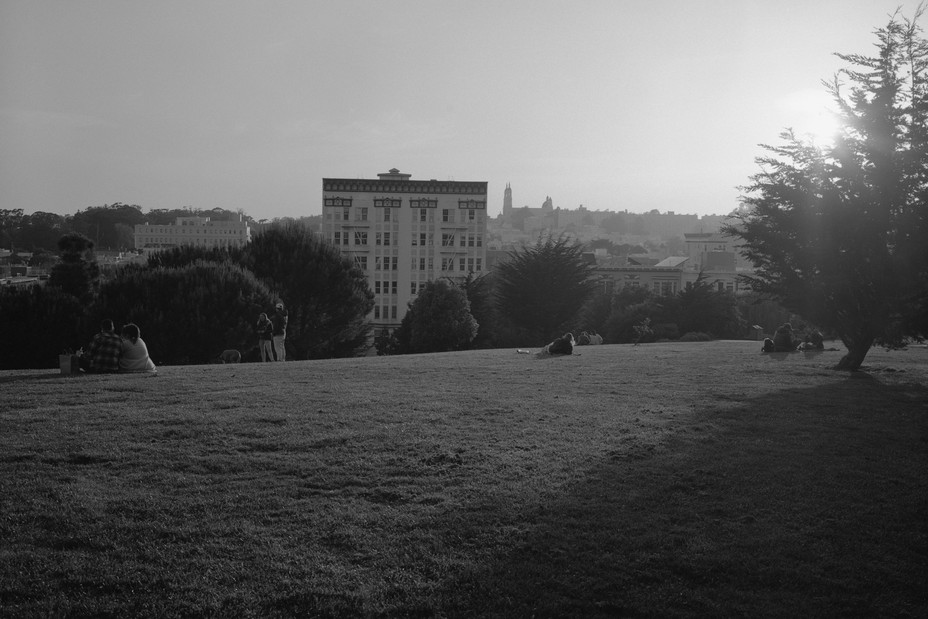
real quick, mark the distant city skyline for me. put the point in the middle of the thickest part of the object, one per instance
(614, 105)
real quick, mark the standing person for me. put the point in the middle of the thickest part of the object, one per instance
(134, 357)
(265, 330)
(280, 331)
(105, 348)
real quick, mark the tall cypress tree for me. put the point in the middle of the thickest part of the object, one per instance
(542, 288)
(77, 273)
(838, 234)
(326, 295)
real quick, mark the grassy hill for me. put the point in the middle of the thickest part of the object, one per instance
(672, 480)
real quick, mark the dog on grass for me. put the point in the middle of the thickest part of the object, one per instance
(230, 356)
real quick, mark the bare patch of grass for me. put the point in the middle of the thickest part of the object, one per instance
(659, 480)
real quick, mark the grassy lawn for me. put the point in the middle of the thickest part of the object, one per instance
(664, 480)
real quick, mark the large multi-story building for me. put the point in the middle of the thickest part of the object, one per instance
(197, 231)
(404, 233)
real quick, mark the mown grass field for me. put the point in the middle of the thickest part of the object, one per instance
(664, 480)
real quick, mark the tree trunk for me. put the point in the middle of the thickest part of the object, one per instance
(856, 351)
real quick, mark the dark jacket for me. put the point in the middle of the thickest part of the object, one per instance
(280, 322)
(265, 330)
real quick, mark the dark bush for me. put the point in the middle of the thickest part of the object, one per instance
(695, 336)
(187, 314)
(37, 324)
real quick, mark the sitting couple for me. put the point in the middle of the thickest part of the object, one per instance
(109, 352)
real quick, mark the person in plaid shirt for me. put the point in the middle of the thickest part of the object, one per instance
(105, 349)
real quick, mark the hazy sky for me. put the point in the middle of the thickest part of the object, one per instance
(612, 104)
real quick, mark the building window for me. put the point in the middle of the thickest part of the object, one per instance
(446, 264)
(361, 262)
(422, 214)
(393, 312)
(421, 264)
(386, 238)
(360, 238)
(393, 287)
(422, 239)
(463, 240)
(479, 240)
(446, 215)
(447, 240)
(470, 265)
(462, 265)
(377, 263)
(479, 264)
(471, 215)
(377, 287)
(393, 262)
(346, 214)
(361, 215)
(386, 214)
(470, 241)
(412, 287)
(472, 204)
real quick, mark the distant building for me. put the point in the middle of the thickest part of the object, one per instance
(403, 233)
(714, 251)
(196, 231)
(517, 226)
(665, 278)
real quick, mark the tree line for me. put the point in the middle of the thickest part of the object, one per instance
(109, 227)
(192, 303)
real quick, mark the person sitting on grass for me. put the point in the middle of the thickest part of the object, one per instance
(134, 357)
(783, 339)
(103, 354)
(814, 341)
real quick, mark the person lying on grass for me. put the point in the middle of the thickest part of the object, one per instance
(563, 345)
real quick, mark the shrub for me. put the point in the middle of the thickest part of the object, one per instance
(187, 314)
(38, 323)
(695, 336)
(438, 320)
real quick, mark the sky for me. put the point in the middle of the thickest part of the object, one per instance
(247, 105)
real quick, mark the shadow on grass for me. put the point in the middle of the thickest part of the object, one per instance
(808, 502)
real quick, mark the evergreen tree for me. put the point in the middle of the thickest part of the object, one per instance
(542, 288)
(189, 254)
(187, 314)
(77, 273)
(479, 291)
(37, 324)
(326, 295)
(631, 306)
(701, 308)
(838, 233)
(438, 320)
